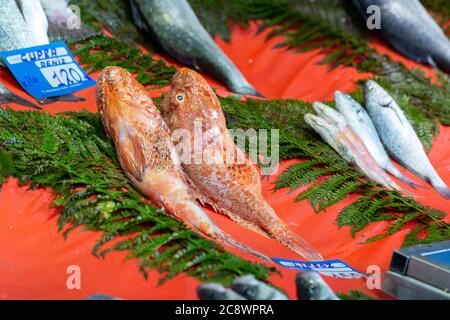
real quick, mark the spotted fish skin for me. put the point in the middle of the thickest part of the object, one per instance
(222, 178)
(146, 152)
(408, 28)
(399, 137)
(180, 33)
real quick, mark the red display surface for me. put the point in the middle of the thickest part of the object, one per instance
(34, 257)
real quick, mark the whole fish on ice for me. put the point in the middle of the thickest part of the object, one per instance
(399, 137)
(146, 152)
(180, 33)
(407, 26)
(219, 172)
(358, 119)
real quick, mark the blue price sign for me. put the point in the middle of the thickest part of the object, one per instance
(330, 268)
(47, 71)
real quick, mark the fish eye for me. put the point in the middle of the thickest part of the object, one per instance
(179, 97)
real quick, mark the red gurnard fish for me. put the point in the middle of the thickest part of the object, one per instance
(146, 152)
(230, 187)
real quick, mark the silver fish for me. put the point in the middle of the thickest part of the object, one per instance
(253, 289)
(180, 33)
(358, 119)
(408, 28)
(311, 286)
(334, 130)
(215, 291)
(399, 137)
(7, 97)
(36, 20)
(14, 31)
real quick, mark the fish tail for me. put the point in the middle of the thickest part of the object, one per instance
(442, 61)
(296, 243)
(193, 216)
(441, 188)
(10, 97)
(225, 238)
(245, 90)
(396, 173)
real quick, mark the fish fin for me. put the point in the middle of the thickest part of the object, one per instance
(443, 190)
(225, 238)
(297, 244)
(396, 173)
(205, 200)
(63, 98)
(246, 224)
(246, 90)
(198, 195)
(132, 156)
(10, 97)
(58, 31)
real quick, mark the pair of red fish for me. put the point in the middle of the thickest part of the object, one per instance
(147, 154)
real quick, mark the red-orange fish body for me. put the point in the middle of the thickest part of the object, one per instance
(146, 152)
(232, 186)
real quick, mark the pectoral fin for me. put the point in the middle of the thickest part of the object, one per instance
(132, 156)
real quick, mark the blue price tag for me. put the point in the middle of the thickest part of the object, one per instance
(47, 71)
(330, 268)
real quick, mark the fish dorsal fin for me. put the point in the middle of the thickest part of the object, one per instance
(131, 153)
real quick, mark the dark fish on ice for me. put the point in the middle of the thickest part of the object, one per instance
(176, 27)
(408, 28)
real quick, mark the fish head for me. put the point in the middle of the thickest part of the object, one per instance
(330, 115)
(191, 100)
(377, 99)
(326, 130)
(352, 111)
(329, 132)
(122, 101)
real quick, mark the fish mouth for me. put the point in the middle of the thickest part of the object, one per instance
(371, 86)
(320, 124)
(330, 115)
(345, 101)
(373, 90)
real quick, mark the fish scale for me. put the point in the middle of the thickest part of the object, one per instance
(180, 33)
(399, 137)
(408, 28)
(358, 119)
(147, 155)
(14, 32)
(231, 188)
